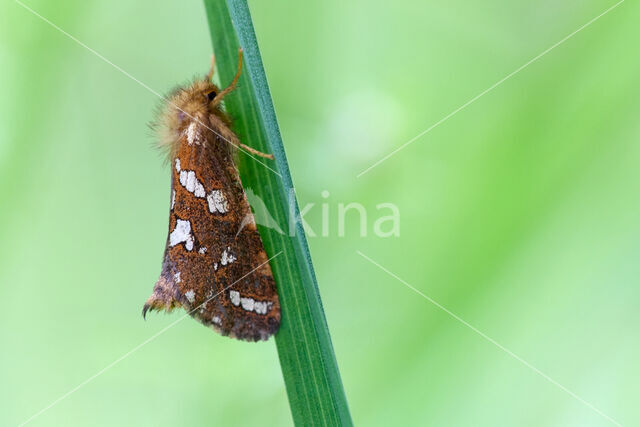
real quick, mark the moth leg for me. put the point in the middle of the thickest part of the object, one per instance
(232, 139)
(256, 152)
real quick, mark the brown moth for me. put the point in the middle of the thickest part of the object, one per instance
(215, 265)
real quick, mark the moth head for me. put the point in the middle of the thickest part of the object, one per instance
(211, 95)
(203, 97)
(196, 101)
(193, 103)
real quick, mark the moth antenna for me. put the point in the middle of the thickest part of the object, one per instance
(213, 67)
(233, 84)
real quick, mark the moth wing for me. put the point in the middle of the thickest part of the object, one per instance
(215, 265)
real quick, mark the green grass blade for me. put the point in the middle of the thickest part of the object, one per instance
(304, 345)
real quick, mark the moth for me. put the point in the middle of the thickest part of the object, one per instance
(215, 265)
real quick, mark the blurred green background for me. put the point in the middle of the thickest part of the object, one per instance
(520, 214)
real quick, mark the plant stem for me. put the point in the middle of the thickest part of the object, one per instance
(309, 367)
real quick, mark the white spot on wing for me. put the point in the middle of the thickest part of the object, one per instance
(182, 233)
(217, 202)
(202, 250)
(235, 297)
(173, 199)
(176, 277)
(177, 164)
(199, 190)
(192, 134)
(215, 266)
(189, 181)
(216, 320)
(227, 257)
(260, 307)
(247, 303)
(190, 295)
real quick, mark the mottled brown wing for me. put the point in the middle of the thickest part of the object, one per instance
(215, 265)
